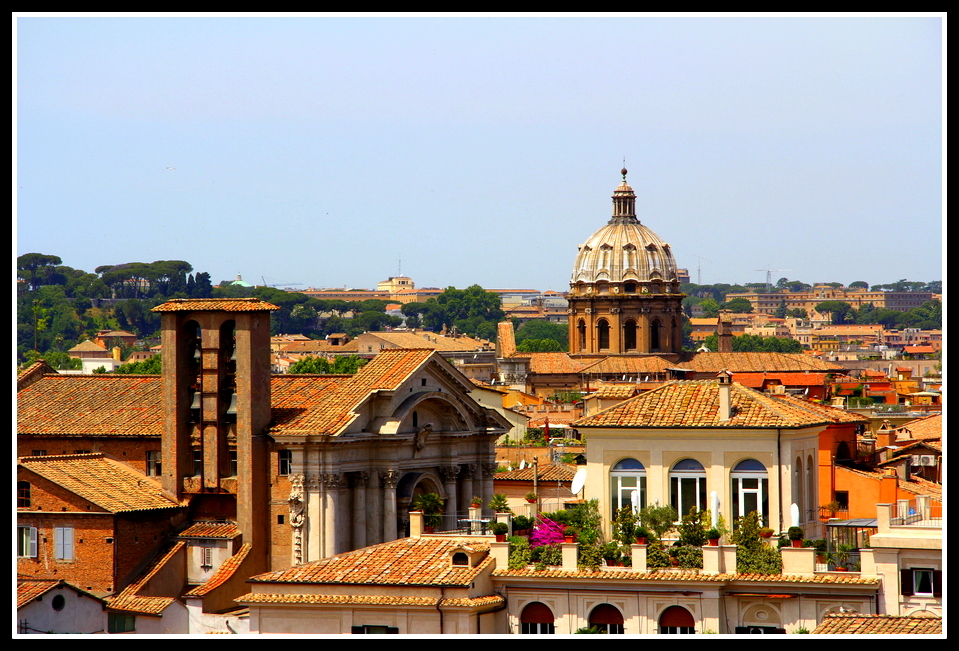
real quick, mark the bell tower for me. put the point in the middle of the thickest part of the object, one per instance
(216, 398)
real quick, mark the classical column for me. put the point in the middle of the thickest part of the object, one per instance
(466, 484)
(313, 533)
(489, 471)
(450, 474)
(331, 483)
(360, 513)
(388, 481)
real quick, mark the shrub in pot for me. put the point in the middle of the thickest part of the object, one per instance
(531, 497)
(642, 535)
(713, 537)
(500, 529)
(795, 535)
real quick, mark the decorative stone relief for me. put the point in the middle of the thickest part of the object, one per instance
(297, 516)
(389, 478)
(449, 473)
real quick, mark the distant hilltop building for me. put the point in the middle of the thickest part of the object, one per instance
(770, 302)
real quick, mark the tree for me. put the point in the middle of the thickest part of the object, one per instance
(32, 267)
(841, 311)
(739, 306)
(542, 329)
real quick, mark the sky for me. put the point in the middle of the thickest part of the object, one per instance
(337, 151)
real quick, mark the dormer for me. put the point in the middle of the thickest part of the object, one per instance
(463, 556)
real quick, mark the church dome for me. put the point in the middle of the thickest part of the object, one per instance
(624, 250)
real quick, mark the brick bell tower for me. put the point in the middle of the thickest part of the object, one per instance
(216, 399)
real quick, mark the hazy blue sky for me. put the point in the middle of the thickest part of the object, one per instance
(338, 151)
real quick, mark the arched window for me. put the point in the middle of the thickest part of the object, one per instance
(629, 335)
(581, 330)
(797, 488)
(536, 618)
(687, 486)
(626, 477)
(810, 491)
(654, 335)
(750, 490)
(602, 332)
(676, 619)
(607, 619)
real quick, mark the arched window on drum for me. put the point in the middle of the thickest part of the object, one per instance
(627, 477)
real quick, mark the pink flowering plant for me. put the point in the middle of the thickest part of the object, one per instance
(546, 532)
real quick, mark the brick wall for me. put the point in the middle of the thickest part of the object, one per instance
(130, 450)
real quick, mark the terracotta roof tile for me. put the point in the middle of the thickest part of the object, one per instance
(30, 589)
(407, 561)
(756, 363)
(129, 601)
(695, 403)
(550, 363)
(551, 472)
(220, 304)
(210, 530)
(223, 573)
(369, 600)
(859, 624)
(111, 485)
(631, 365)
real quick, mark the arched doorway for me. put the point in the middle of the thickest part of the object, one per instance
(607, 619)
(676, 619)
(536, 618)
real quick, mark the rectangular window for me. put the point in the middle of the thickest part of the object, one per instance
(63, 543)
(26, 542)
(206, 557)
(23, 495)
(153, 463)
(233, 463)
(38, 453)
(121, 623)
(285, 458)
(197, 462)
(922, 581)
(842, 498)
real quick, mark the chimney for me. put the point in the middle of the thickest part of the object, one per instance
(724, 333)
(116, 353)
(725, 397)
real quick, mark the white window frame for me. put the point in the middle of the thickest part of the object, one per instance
(206, 557)
(26, 542)
(63, 543)
(915, 581)
(739, 492)
(699, 487)
(621, 496)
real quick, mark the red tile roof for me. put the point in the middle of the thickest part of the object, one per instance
(223, 573)
(219, 304)
(226, 530)
(859, 624)
(695, 403)
(551, 472)
(407, 561)
(756, 363)
(130, 601)
(111, 485)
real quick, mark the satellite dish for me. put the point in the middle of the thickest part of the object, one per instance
(522, 464)
(794, 514)
(579, 480)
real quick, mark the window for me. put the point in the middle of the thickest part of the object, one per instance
(627, 477)
(375, 630)
(629, 335)
(687, 486)
(842, 498)
(750, 490)
(121, 623)
(607, 619)
(26, 542)
(206, 557)
(197, 462)
(285, 459)
(536, 619)
(676, 619)
(921, 582)
(58, 602)
(63, 543)
(153, 463)
(233, 463)
(23, 495)
(459, 558)
(602, 333)
(38, 453)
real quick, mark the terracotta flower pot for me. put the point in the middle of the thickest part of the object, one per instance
(796, 543)
(501, 537)
(570, 539)
(640, 540)
(714, 542)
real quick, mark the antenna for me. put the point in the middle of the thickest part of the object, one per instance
(769, 277)
(699, 275)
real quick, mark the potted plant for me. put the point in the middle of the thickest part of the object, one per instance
(500, 529)
(611, 554)
(820, 546)
(521, 525)
(570, 533)
(795, 535)
(499, 504)
(713, 537)
(531, 497)
(431, 506)
(766, 532)
(642, 534)
(476, 502)
(840, 557)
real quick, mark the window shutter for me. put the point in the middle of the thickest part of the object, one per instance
(33, 542)
(63, 543)
(906, 586)
(937, 584)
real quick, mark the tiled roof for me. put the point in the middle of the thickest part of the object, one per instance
(30, 589)
(129, 601)
(33, 373)
(756, 380)
(847, 578)
(95, 405)
(369, 600)
(552, 363)
(614, 391)
(407, 561)
(695, 403)
(223, 573)
(859, 624)
(226, 530)
(927, 427)
(756, 362)
(219, 304)
(551, 472)
(831, 413)
(111, 485)
(88, 346)
(630, 365)
(423, 339)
